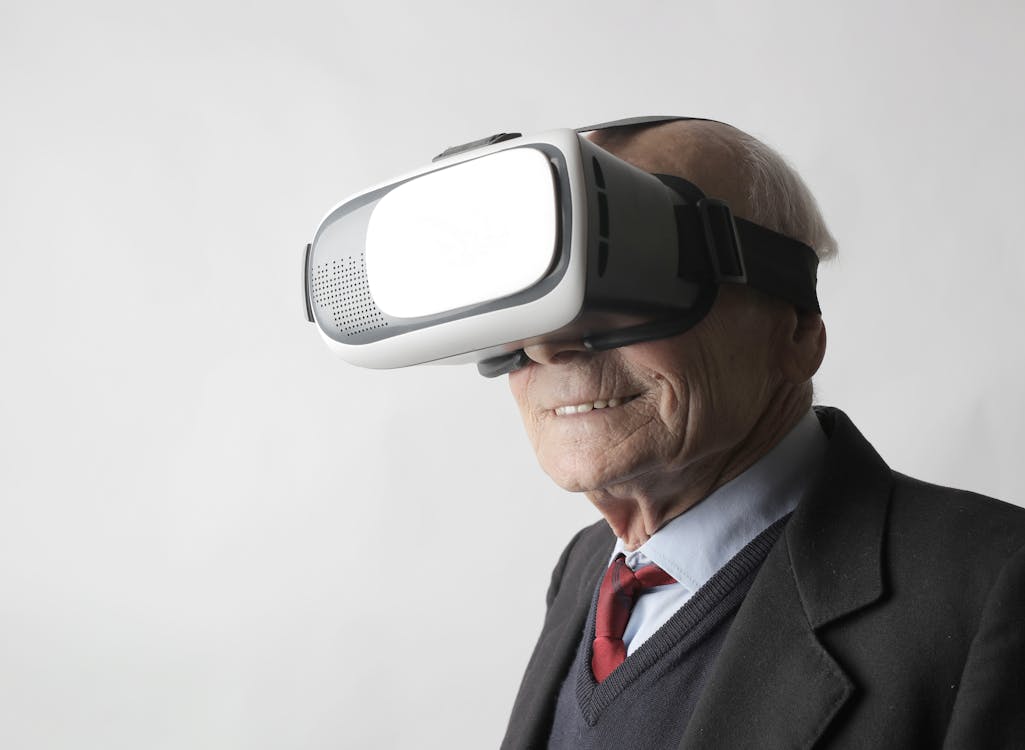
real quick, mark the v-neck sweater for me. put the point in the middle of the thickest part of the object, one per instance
(647, 701)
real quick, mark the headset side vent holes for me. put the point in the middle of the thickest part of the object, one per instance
(340, 287)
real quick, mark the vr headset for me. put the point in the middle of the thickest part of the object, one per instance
(515, 240)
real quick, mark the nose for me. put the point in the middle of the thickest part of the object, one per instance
(556, 352)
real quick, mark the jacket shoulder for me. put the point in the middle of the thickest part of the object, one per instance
(950, 547)
(965, 522)
(577, 559)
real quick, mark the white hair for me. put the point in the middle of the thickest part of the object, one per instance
(779, 199)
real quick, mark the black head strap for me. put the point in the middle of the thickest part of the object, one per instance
(779, 266)
(740, 251)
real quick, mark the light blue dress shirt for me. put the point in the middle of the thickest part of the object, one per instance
(696, 544)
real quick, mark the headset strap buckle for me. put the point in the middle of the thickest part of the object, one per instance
(723, 242)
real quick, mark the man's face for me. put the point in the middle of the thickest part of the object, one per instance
(650, 429)
(654, 412)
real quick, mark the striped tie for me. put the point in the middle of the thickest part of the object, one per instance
(616, 597)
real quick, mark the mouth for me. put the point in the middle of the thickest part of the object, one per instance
(588, 406)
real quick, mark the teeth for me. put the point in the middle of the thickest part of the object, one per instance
(584, 408)
(578, 409)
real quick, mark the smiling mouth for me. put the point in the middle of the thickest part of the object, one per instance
(563, 411)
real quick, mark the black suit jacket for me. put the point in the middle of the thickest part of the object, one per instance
(890, 614)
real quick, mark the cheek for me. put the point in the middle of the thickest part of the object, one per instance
(519, 386)
(709, 404)
(733, 390)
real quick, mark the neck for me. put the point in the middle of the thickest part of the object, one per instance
(637, 508)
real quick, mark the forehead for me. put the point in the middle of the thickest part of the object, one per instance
(709, 154)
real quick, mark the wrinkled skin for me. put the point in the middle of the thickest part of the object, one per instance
(704, 405)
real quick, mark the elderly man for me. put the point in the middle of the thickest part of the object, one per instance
(761, 578)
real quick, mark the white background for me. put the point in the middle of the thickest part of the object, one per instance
(215, 535)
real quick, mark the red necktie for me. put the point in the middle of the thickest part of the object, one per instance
(619, 590)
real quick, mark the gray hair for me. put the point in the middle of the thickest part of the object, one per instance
(779, 199)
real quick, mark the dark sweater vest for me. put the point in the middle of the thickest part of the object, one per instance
(648, 700)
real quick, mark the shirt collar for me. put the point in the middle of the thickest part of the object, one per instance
(698, 542)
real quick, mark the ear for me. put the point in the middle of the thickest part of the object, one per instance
(804, 347)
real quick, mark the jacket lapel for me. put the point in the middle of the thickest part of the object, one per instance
(774, 684)
(534, 708)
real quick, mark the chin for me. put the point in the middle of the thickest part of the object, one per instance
(569, 475)
(570, 484)
(582, 474)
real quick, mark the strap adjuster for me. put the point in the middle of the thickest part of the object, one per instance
(490, 140)
(306, 284)
(722, 241)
